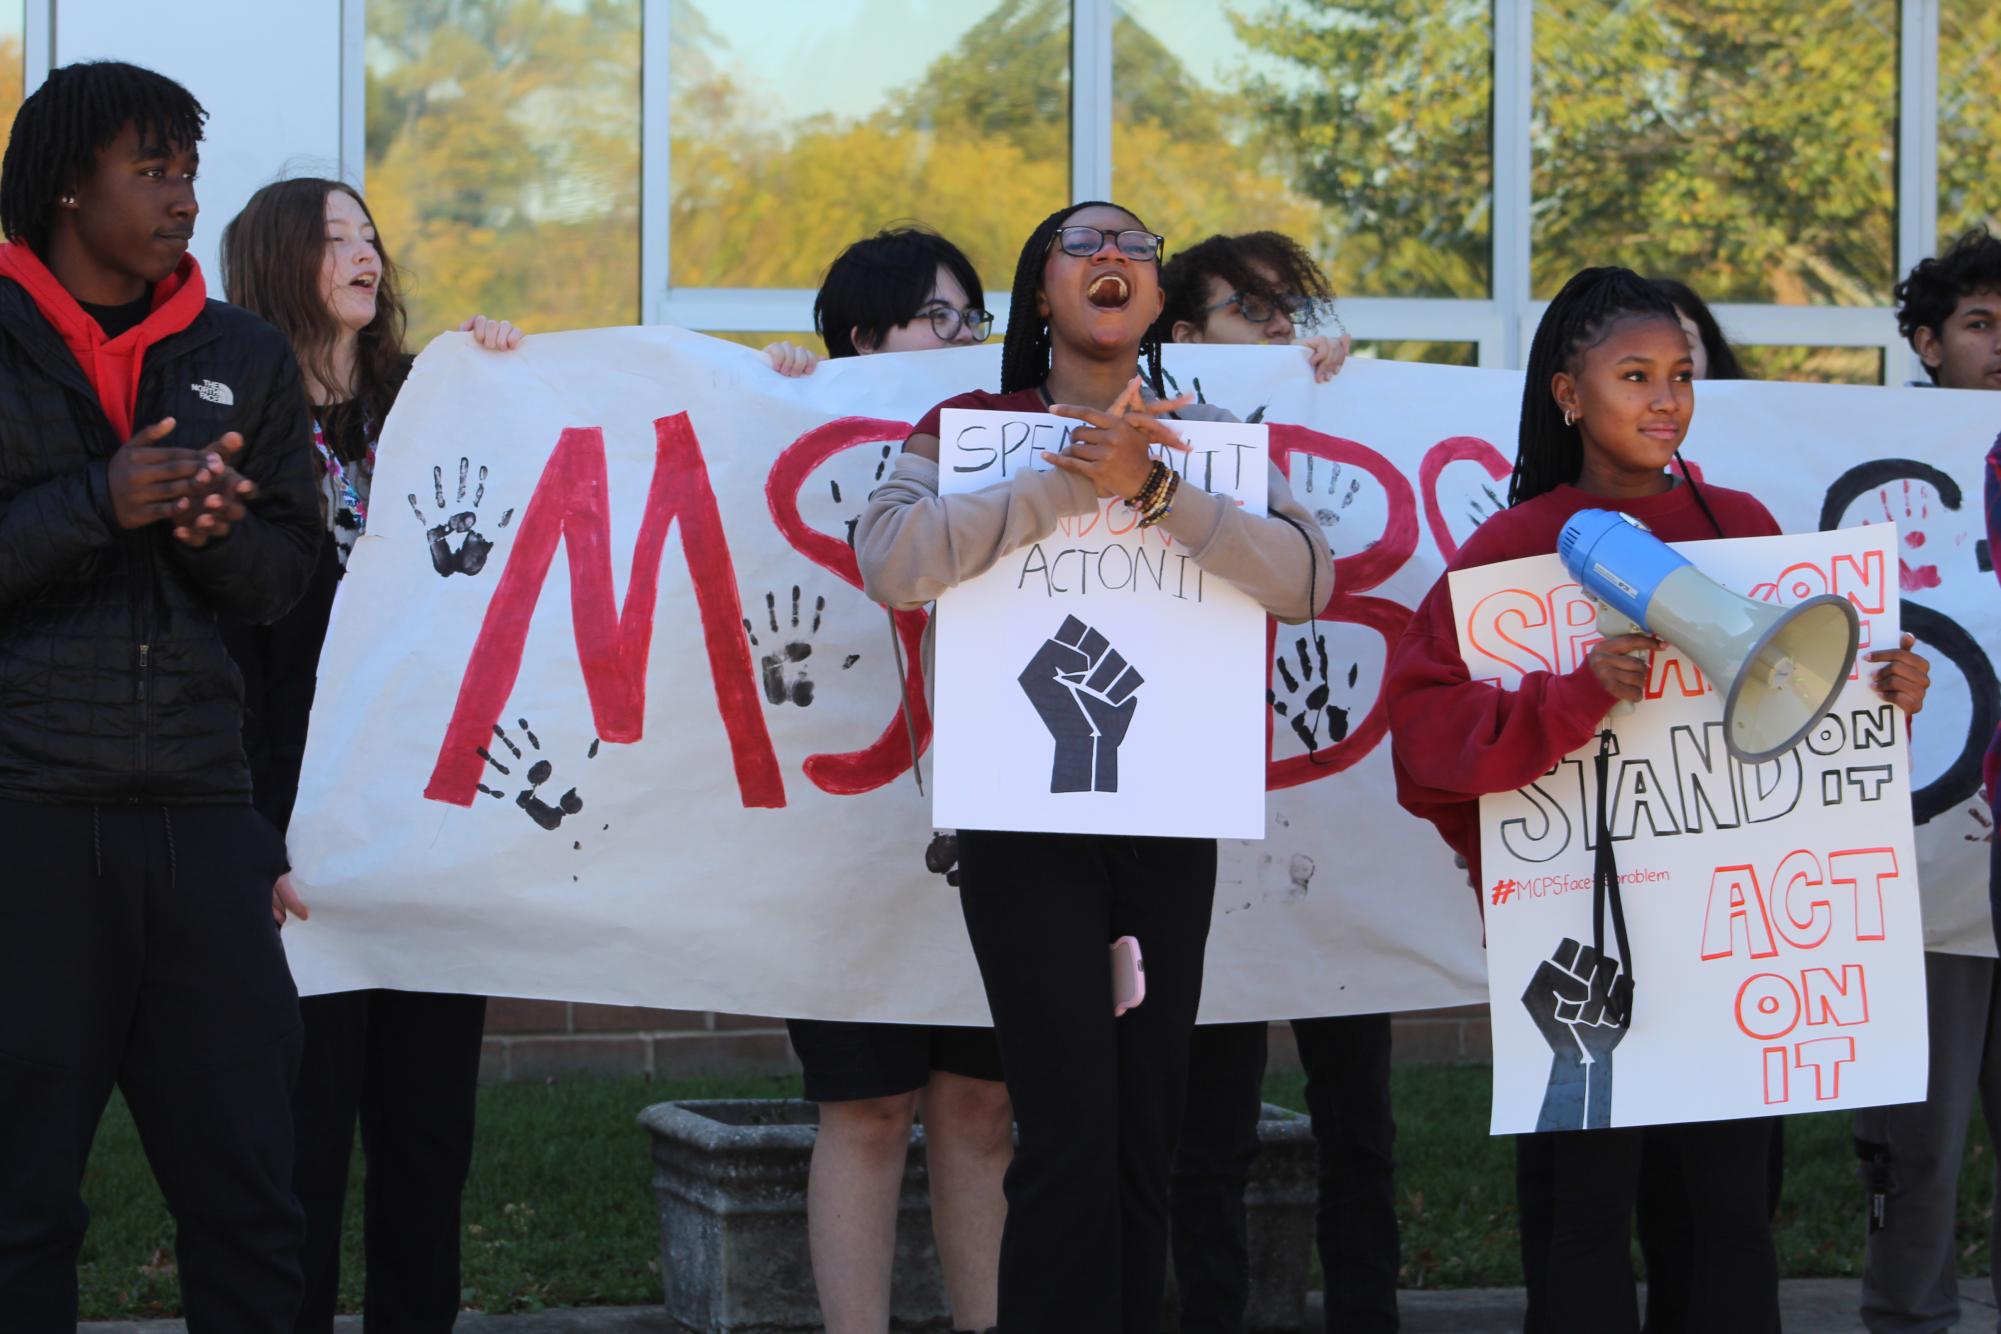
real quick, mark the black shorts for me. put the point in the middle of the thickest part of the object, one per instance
(846, 1060)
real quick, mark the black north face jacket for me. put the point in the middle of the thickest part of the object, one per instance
(114, 682)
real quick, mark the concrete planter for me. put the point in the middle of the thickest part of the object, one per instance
(729, 1179)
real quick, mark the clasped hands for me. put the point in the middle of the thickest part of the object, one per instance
(198, 491)
(1112, 449)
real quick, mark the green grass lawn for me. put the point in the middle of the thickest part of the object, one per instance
(559, 1211)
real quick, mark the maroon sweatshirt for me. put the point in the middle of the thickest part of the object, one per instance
(1452, 739)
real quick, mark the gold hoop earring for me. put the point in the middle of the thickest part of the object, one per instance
(1569, 417)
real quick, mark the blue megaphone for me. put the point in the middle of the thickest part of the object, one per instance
(1779, 669)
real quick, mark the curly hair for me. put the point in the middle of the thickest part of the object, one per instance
(1026, 350)
(65, 123)
(1269, 267)
(1929, 293)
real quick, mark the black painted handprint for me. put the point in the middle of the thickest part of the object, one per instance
(1583, 1006)
(1323, 493)
(472, 549)
(1308, 702)
(793, 653)
(1084, 692)
(834, 486)
(547, 814)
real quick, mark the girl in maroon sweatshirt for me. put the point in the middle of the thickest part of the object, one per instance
(1606, 401)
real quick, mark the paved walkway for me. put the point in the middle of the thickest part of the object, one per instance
(1809, 1306)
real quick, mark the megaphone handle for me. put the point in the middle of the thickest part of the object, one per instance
(1612, 624)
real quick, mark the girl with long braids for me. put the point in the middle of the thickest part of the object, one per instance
(1097, 1100)
(1607, 399)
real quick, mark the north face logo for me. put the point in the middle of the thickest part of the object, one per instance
(213, 391)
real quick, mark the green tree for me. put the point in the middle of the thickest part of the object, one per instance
(1969, 117)
(1382, 112)
(503, 159)
(1747, 146)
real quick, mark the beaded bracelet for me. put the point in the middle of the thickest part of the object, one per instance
(1163, 506)
(1149, 491)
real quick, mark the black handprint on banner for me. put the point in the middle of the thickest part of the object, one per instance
(1307, 703)
(469, 556)
(1583, 1006)
(529, 799)
(1084, 692)
(795, 651)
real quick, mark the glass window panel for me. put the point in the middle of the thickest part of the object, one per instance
(1363, 129)
(1748, 148)
(12, 66)
(503, 158)
(1969, 116)
(1818, 365)
(1416, 349)
(802, 125)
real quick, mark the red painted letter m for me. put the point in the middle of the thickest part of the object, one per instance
(572, 504)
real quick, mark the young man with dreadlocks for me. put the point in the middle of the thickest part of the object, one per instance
(1606, 402)
(1949, 309)
(1097, 1098)
(154, 476)
(1262, 287)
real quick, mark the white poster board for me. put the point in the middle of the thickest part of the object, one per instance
(1772, 909)
(826, 894)
(1099, 681)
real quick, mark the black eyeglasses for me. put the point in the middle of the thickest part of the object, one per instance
(1304, 312)
(946, 321)
(1084, 242)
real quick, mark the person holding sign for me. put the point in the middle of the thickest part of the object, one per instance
(1949, 308)
(1097, 1098)
(1262, 287)
(304, 255)
(903, 290)
(1607, 401)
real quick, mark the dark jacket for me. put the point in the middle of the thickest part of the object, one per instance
(114, 682)
(280, 661)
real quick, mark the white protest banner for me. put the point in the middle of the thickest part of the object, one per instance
(1082, 682)
(767, 849)
(1772, 909)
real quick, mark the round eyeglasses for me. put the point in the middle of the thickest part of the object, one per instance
(1083, 242)
(946, 321)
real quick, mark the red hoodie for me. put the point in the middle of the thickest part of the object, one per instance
(1452, 739)
(111, 365)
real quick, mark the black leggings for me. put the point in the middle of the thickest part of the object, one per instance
(405, 1065)
(1576, 1189)
(1097, 1101)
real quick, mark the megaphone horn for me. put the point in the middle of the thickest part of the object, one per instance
(1779, 669)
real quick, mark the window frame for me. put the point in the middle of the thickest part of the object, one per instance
(1500, 325)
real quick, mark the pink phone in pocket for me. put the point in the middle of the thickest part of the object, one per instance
(1128, 975)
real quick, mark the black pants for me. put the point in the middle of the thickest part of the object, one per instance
(1097, 1101)
(1347, 1063)
(136, 949)
(1576, 1191)
(1667, 1225)
(405, 1064)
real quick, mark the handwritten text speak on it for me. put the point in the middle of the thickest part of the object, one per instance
(1105, 551)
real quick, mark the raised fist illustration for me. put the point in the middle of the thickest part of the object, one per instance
(1084, 692)
(1583, 1006)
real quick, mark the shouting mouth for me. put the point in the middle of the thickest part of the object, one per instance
(1109, 291)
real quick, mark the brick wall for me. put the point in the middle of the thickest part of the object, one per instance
(553, 1039)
